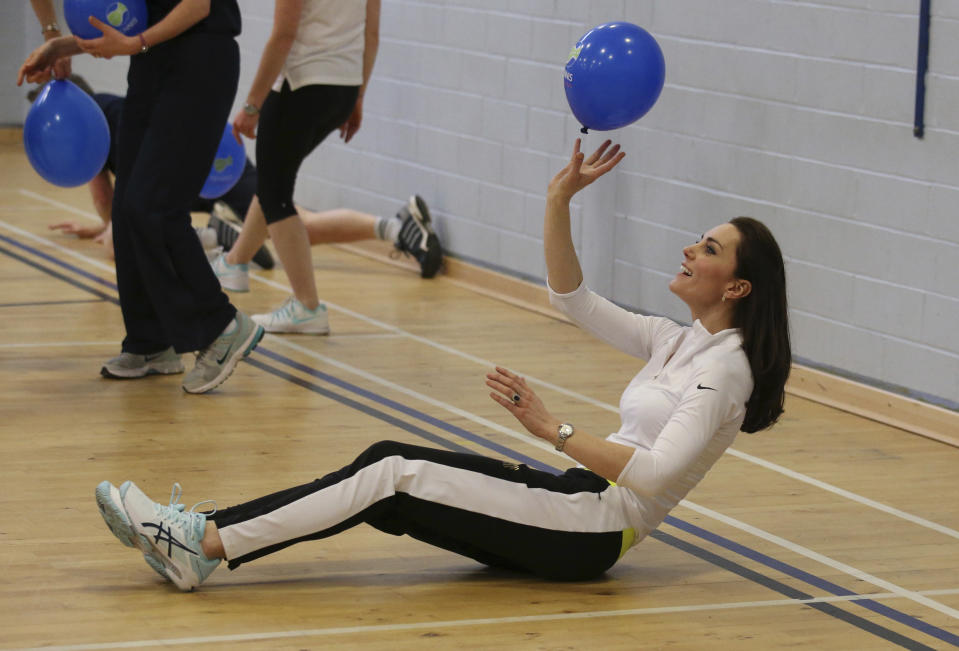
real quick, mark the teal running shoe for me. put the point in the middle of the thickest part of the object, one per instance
(169, 537)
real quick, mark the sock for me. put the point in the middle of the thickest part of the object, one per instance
(388, 228)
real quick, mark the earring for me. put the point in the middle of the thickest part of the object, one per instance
(724, 298)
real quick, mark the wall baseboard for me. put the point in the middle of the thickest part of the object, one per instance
(9, 135)
(876, 404)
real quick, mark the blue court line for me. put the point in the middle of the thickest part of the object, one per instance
(900, 617)
(788, 591)
(823, 584)
(56, 274)
(359, 406)
(66, 265)
(409, 411)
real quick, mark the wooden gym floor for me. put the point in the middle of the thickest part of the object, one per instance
(828, 532)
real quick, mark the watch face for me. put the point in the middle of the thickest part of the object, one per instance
(565, 429)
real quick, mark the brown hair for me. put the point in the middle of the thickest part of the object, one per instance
(763, 318)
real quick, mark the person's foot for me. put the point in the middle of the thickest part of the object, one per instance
(169, 537)
(232, 277)
(294, 317)
(128, 366)
(227, 227)
(215, 363)
(417, 237)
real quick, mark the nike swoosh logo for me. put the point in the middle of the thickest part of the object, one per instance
(150, 358)
(699, 386)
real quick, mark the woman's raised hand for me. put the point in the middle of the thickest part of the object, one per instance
(581, 171)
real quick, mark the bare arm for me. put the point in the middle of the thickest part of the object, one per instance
(371, 45)
(44, 11)
(101, 191)
(50, 30)
(286, 19)
(562, 265)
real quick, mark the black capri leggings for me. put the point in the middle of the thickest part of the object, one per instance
(292, 124)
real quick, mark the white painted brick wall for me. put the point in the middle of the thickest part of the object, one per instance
(798, 113)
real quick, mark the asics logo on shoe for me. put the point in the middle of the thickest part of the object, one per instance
(163, 536)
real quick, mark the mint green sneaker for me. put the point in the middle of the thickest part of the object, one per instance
(215, 363)
(169, 537)
(128, 366)
(294, 317)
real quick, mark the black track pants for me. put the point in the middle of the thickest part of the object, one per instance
(498, 513)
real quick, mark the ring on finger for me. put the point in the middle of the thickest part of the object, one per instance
(515, 398)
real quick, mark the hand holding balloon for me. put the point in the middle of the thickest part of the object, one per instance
(39, 65)
(128, 17)
(108, 44)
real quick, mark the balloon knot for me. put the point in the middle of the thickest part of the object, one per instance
(584, 130)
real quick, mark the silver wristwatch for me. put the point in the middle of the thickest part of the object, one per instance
(565, 431)
(250, 109)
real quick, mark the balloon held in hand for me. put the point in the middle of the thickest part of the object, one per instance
(66, 135)
(614, 75)
(128, 16)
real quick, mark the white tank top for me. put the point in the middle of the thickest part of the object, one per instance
(328, 48)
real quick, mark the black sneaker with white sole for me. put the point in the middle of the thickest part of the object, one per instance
(417, 237)
(227, 233)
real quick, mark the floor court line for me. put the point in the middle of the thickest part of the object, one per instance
(823, 559)
(59, 204)
(489, 621)
(708, 512)
(109, 268)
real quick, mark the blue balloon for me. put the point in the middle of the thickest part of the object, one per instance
(227, 166)
(614, 75)
(129, 16)
(66, 135)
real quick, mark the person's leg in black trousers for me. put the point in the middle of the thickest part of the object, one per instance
(179, 98)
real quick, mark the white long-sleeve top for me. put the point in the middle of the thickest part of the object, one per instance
(680, 412)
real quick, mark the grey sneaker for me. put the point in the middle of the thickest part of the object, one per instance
(127, 366)
(228, 231)
(417, 237)
(234, 277)
(294, 317)
(169, 537)
(215, 363)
